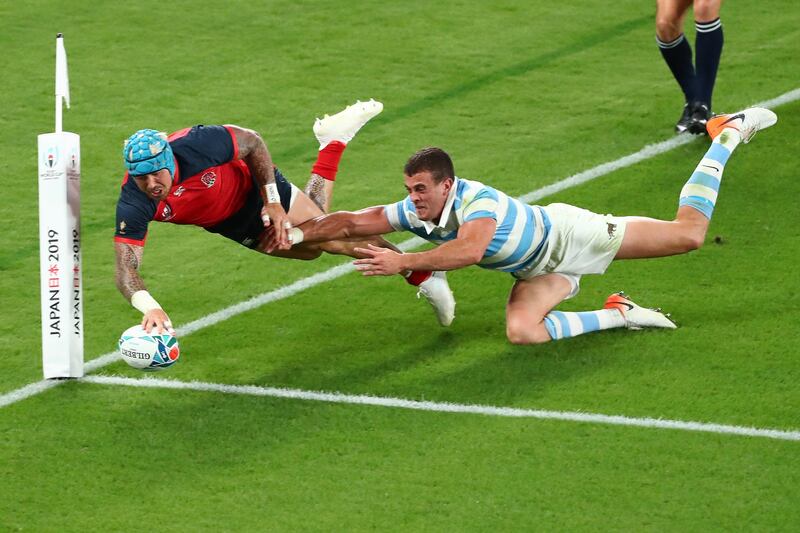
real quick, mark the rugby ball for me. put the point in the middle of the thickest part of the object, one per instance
(148, 351)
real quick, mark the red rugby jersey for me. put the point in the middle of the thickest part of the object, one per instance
(210, 185)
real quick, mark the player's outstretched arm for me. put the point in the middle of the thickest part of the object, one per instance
(336, 226)
(465, 250)
(130, 284)
(254, 152)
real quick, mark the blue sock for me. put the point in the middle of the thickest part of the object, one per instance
(700, 192)
(561, 325)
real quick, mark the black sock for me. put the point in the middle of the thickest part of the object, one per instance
(708, 47)
(678, 55)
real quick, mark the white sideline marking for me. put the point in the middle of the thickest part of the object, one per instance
(27, 391)
(443, 407)
(647, 152)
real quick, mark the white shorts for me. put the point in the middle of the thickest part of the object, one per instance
(295, 192)
(580, 242)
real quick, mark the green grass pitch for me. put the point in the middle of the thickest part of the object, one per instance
(522, 94)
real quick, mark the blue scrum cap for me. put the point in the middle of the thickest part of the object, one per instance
(148, 151)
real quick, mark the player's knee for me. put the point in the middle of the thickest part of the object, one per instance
(689, 232)
(706, 10)
(695, 242)
(519, 331)
(688, 242)
(667, 28)
(694, 236)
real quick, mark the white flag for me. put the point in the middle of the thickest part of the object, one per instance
(62, 79)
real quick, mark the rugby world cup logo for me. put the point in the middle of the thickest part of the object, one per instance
(51, 157)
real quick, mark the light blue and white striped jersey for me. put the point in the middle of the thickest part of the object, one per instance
(519, 238)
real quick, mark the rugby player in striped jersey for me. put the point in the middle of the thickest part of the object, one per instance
(545, 248)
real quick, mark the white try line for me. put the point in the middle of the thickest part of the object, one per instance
(443, 407)
(647, 152)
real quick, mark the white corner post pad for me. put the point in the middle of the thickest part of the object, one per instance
(294, 235)
(142, 301)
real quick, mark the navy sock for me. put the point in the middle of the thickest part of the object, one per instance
(708, 47)
(678, 55)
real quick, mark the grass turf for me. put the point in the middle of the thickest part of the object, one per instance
(519, 101)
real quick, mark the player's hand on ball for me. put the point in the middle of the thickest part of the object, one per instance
(158, 319)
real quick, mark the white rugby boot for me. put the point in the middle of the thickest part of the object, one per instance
(747, 122)
(436, 290)
(344, 125)
(636, 316)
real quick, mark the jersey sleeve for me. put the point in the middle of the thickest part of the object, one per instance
(133, 216)
(202, 147)
(482, 205)
(396, 213)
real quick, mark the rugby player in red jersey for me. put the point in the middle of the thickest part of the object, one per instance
(222, 179)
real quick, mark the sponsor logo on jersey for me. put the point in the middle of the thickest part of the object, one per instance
(208, 179)
(179, 190)
(167, 213)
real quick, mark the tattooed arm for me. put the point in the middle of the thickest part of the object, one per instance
(130, 284)
(129, 256)
(253, 151)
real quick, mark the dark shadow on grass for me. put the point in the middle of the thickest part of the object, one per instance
(361, 376)
(436, 365)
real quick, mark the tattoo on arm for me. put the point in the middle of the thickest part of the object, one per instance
(129, 258)
(315, 189)
(253, 151)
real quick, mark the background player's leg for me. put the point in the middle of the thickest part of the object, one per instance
(708, 47)
(333, 134)
(677, 53)
(669, 18)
